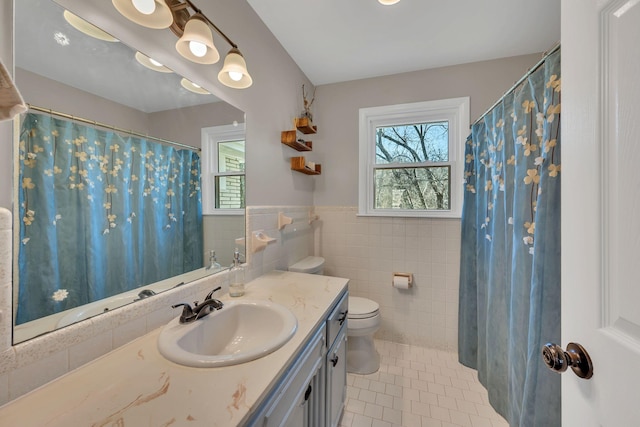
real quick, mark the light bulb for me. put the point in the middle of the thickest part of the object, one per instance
(197, 48)
(235, 76)
(196, 85)
(156, 63)
(146, 7)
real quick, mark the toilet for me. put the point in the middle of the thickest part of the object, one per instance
(363, 320)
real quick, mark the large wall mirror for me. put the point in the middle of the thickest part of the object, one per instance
(109, 171)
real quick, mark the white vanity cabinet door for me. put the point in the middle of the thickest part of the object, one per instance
(336, 365)
(288, 405)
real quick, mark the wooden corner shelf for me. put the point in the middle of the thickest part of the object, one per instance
(304, 125)
(298, 164)
(289, 138)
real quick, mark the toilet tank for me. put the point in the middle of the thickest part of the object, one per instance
(310, 264)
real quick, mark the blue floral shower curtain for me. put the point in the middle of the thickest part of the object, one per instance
(100, 214)
(510, 255)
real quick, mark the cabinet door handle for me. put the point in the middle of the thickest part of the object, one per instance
(307, 393)
(334, 361)
(343, 317)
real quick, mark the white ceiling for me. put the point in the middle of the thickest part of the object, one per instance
(341, 40)
(105, 69)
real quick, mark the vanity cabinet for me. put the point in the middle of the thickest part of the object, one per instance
(336, 363)
(312, 391)
(299, 396)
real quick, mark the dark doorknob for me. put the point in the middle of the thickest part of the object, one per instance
(575, 357)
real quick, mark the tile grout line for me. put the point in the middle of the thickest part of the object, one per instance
(417, 386)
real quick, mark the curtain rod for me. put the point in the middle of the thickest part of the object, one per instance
(114, 128)
(527, 74)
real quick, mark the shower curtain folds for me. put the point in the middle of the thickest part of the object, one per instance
(100, 214)
(510, 254)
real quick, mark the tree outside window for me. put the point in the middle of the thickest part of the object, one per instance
(408, 172)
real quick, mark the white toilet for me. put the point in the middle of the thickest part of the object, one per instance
(363, 320)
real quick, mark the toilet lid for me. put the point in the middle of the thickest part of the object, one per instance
(362, 308)
(309, 264)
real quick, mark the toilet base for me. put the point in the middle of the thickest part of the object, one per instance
(362, 356)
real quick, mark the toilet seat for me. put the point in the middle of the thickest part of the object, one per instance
(362, 308)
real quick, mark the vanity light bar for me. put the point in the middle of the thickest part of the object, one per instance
(194, 31)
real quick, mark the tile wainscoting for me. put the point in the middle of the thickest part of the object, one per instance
(367, 250)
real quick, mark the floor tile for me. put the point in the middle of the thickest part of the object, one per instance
(417, 387)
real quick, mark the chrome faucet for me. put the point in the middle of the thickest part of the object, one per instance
(201, 310)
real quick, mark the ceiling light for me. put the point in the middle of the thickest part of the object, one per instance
(61, 39)
(148, 13)
(151, 63)
(234, 71)
(195, 36)
(196, 43)
(388, 2)
(193, 87)
(87, 28)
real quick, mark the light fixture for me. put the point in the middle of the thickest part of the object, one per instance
(151, 63)
(194, 32)
(193, 87)
(87, 28)
(234, 71)
(148, 13)
(388, 2)
(196, 43)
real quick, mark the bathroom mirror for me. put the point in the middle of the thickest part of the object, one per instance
(95, 83)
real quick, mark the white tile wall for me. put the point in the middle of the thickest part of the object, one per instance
(293, 242)
(367, 250)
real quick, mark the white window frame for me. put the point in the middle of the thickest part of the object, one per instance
(211, 137)
(453, 110)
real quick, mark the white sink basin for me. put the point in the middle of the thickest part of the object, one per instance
(241, 331)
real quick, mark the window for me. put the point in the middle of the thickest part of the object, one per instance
(223, 180)
(410, 158)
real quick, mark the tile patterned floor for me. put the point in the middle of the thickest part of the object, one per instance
(417, 387)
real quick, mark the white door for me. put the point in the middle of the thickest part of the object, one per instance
(601, 208)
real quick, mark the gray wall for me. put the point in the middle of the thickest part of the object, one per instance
(6, 151)
(337, 105)
(43, 92)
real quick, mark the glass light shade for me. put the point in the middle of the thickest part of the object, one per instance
(144, 6)
(388, 2)
(87, 28)
(191, 86)
(151, 64)
(234, 67)
(197, 30)
(160, 18)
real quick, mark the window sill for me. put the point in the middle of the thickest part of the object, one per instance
(407, 214)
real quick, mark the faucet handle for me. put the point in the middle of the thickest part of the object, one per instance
(210, 294)
(187, 311)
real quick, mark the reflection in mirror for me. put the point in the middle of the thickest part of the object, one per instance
(104, 216)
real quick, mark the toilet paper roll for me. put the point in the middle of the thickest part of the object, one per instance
(401, 282)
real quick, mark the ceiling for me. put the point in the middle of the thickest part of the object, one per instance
(330, 40)
(341, 40)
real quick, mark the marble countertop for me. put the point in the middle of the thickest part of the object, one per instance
(135, 385)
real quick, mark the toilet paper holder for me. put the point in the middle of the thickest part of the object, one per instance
(408, 276)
